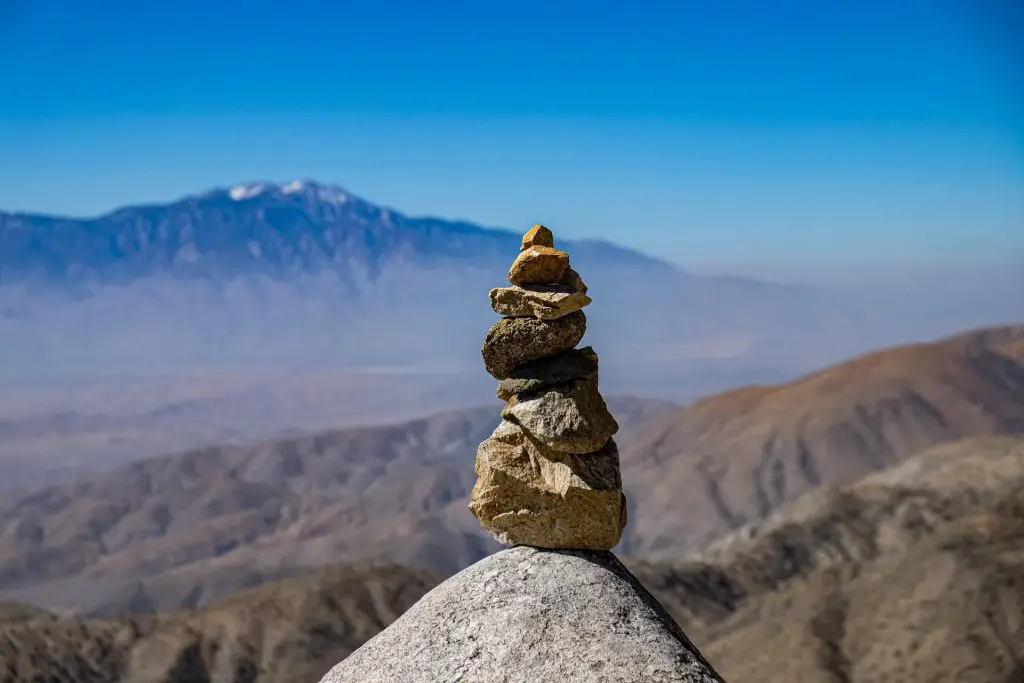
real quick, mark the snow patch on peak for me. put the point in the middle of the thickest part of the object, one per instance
(240, 192)
(305, 189)
(332, 195)
(316, 192)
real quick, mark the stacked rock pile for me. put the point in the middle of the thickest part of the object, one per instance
(549, 474)
(565, 609)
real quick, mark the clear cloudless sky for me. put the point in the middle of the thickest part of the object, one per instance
(756, 135)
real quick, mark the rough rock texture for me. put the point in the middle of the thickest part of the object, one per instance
(538, 301)
(549, 372)
(538, 236)
(526, 615)
(538, 266)
(570, 417)
(572, 280)
(512, 342)
(528, 494)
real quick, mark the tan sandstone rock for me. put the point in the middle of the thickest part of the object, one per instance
(538, 301)
(513, 342)
(528, 494)
(549, 372)
(538, 266)
(538, 236)
(570, 417)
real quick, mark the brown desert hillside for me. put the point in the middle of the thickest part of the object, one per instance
(732, 458)
(289, 631)
(915, 573)
(180, 531)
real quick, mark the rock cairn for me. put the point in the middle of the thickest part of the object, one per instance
(564, 609)
(549, 474)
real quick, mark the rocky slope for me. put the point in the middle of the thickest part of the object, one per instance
(289, 631)
(737, 456)
(913, 573)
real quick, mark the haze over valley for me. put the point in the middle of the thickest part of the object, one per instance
(247, 312)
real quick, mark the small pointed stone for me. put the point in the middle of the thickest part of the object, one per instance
(571, 417)
(549, 372)
(538, 236)
(538, 266)
(514, 342)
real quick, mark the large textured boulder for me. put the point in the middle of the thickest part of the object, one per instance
(529, 494)
(526, 615)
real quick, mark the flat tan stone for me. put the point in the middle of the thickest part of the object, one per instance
(528, 494)
(549, 372)
(514, 342)
(538, 266)
(538, 236)
(571, 417)
(538, 301)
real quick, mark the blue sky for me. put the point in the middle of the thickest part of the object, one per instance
(766, 135)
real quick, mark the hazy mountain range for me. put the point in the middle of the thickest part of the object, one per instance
(307, 275)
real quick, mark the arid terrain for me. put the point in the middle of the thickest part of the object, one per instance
(914, 573)
(740, 454)
(291, 630)
(189, 528)
(182, 530)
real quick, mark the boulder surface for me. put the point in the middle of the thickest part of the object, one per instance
(527, 615)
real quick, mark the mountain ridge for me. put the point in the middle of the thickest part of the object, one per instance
(756, 447)
(315, 209)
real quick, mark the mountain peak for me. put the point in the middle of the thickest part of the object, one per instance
(307, 189)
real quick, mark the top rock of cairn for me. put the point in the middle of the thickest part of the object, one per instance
(549, 474)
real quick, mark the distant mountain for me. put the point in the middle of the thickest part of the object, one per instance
(307, 274)
(739, 455)
(300, 228)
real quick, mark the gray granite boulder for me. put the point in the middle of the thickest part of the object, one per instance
(526, 615)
